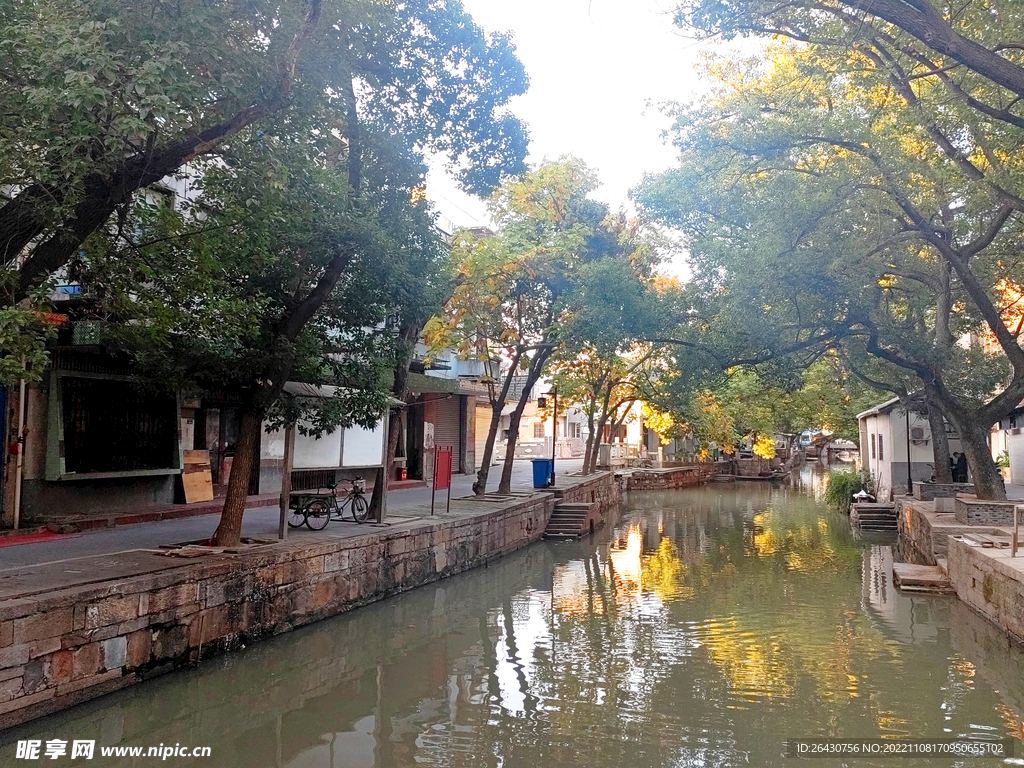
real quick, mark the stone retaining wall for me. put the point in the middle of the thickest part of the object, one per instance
(667, 479)
(62, 648)
(924, 533)
(972, 511)
(929, 491)
(989, 584)
(600, 488)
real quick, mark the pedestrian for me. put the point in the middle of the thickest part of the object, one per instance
(960, 468)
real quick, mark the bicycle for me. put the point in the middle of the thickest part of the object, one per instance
(318, 511)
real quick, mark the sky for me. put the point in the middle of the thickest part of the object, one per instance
(598, 69)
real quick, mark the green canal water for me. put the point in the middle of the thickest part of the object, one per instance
(701, 628)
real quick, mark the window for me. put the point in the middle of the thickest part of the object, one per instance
(574, 429)
(538, 429)
(872, 445)
(113, 425)
(880, 456)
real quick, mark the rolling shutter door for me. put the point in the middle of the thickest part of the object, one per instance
(446, 427)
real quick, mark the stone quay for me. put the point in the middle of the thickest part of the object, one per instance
(67, 639)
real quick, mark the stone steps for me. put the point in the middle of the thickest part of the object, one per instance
(873, 517)
(571, 520)
(924, 579)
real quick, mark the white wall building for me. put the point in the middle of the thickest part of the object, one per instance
(883, 447)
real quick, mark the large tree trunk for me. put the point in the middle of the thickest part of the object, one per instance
(380, 485)
(988, 481)
(591, 436)
(229, 531)
(973, 434)
(591, 467)
(595, 454)
(497, 404)
(940, 446)
(505, 484)
(480, 486)
(532, 377)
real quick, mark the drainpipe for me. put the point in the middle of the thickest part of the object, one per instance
(21, 447)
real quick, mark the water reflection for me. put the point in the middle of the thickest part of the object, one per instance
(703, 628)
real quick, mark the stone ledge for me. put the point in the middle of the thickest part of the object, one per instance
(972, 511)
(929, 491)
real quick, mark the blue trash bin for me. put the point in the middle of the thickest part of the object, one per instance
(541, 472)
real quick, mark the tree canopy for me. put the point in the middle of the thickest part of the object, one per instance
(827, 207)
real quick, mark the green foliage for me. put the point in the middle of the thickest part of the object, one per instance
(843, 484)
(201, 295)
(1003, 459)
(103, 96)
(23, 337)
(828, 212)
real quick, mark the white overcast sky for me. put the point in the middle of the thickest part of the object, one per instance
(598, 69)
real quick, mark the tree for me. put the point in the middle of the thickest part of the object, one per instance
(825, 210)
(967, 50)
(306, 243)
(559, 273)
(511, 300)
(105, 97)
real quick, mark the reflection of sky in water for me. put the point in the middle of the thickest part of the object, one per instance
(701, 629)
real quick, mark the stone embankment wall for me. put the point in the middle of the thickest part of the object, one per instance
(600, 488)
(990, 582)
(924, 533)
(668, 479)
(60, 648)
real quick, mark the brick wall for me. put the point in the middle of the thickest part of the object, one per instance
(971, 511)
(930, 491)
(65, 647)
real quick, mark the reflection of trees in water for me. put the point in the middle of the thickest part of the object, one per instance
(701, 630)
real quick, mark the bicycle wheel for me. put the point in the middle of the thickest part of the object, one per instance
(318, 515)
(360, 509)
(296, 517)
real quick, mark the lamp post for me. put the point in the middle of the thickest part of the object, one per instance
(541, 401)
(910, 478)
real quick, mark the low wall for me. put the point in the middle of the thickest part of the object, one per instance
(60, 648)
(753, 467)
(924, 532)
(600, 488)
(929, 491)
(668, 479)
(972, 511)
(990, 582)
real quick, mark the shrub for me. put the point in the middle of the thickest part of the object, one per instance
(843, 484)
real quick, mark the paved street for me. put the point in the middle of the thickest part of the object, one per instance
(260, 522)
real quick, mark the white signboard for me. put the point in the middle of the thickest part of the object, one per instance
(317, 453)
(428, 436)
(364, 447)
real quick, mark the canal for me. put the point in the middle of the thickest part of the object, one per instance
(702, 628)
